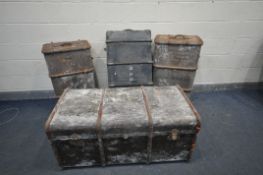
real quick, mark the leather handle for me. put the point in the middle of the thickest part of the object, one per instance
(179, 37)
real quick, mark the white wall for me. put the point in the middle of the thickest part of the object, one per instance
(232, 32)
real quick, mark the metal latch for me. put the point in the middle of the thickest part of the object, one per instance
(174, 135)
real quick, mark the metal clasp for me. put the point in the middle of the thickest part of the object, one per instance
(174, 135)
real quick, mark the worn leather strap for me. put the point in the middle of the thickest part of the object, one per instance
(150, 125)
(99, 132)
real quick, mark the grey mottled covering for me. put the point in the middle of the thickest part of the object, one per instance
(169, 77)
(184, 56)
(169, 108)
(123, 110)
(74, 81)
(77, 111)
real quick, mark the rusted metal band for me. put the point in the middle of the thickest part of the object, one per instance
(99, 132)
(175, 67)
(82, 71)
(198, 118)
(47, 124)
(150, 125)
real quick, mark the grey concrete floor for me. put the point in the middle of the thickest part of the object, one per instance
(230, 141)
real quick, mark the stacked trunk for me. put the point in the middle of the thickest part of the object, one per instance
(175, 60)
(70, 65)
(129, 58)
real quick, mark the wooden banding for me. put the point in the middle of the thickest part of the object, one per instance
(150, 125)
(99, 132)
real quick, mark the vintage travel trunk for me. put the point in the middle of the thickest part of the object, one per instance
(176, 59)
(69, 65)
(129, 57)
(122, 126)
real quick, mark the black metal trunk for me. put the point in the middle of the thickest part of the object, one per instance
(129, 74)
(176, 59)
(69, 65)
(129, 53)
(122, 126)
(129, 57)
